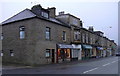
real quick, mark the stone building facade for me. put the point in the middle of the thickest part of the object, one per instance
(38, 36)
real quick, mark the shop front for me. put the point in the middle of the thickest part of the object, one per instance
(64, 53)
(76, 52)
(104, 52)
(86, 52)
(109, 52)
(99, 52)
(94, 52)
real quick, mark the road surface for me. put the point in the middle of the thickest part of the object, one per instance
(98, 66)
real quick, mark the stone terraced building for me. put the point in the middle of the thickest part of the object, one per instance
(38, 36)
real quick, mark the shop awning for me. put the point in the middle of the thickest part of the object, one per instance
(99, 48)
(87, 46)
(65, 46)
(76, 46)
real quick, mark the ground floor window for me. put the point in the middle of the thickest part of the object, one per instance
(11, 53)
(1, 52)
(47, 54)
(64, 54)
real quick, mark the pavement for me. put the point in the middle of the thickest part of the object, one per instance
(108, 65)
(17, 66)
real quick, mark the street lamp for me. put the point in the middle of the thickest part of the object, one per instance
(109, 31)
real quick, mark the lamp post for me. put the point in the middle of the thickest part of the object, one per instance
(109, 31)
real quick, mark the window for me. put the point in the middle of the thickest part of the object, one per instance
(83, 38)
(47, 54)
(48, 33)
(45, 14)
(2, 53)
(91, 40)
(86, 38)
(75, 21)
(22, 32)
(64, 36)
(11, 53)
(2, 36)
(76, 35)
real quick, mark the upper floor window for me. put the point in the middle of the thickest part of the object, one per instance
(45, 14)
(64, 36)
(22, 32)
(91, 40)
(83, 38)
(76, 35)
(47, 33)
(75, 21)
(86, 38)
(1, 36)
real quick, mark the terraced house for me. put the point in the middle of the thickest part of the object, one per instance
(39, 36)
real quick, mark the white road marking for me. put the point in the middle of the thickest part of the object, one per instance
(98, 67)
(90, 70)
(106, 64)
(114, 61)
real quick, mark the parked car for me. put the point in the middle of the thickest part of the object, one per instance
(118, 54)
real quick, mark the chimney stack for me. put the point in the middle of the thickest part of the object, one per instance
(91, 28)
(61, 13)
(52, 12)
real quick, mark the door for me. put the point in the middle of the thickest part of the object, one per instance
(53, 56)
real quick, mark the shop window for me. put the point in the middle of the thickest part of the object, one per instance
(63, 53)
(11, 53)
(67, 53)
(47, 54)
(22, 32)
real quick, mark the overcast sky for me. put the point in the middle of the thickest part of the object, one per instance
(101, 14)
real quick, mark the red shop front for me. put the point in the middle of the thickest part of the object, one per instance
(64, 53)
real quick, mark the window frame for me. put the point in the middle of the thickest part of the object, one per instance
(47, 53)
(2, 37)
(22, 32)
(64, 35)
(44, 14)
(48, 33)
(1, 53)
(11, 53)
(76, 35)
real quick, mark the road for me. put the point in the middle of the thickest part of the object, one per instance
(98, 66)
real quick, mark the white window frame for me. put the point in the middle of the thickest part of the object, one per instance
(47, 53)
(22, 32)
(48, 32)
(76, 33)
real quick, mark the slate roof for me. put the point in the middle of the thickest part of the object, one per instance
(22, 15)
(26, 14)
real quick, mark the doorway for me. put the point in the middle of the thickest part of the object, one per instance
(53, 55)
